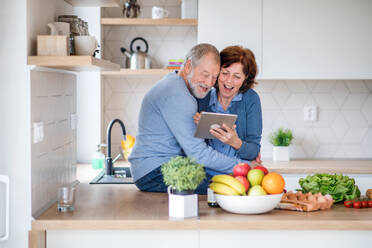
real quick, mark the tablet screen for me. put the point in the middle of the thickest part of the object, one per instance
(210, 120)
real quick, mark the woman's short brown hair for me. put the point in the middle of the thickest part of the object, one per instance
(238, 54)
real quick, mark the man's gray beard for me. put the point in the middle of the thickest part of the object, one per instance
(193, 87)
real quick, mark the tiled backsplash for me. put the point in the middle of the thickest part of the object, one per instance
(344, 125)
(53, 160)
(343, 128)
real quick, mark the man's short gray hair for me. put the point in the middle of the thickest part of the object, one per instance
(199, 51)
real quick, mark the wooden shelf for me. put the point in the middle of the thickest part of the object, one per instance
(139, 72)
(94, 3)
(73, 63)
(139, 21)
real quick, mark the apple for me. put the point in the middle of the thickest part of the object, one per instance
(256, 190)
(244, 181)
(255, 176)
(241, 169)
(260, 167)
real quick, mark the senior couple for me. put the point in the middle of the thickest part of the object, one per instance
(208, 81)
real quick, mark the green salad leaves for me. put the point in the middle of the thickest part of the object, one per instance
(338, 186)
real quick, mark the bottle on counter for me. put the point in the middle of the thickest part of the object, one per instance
(98, 159)
(211, 199)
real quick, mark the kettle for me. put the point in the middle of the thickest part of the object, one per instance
(137, 59)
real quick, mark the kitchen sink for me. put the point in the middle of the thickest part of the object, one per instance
(121, 175)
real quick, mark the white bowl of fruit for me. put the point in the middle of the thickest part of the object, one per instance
(248, 191)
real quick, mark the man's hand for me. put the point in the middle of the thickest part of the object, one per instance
(227, 136)
(196, 118)
(257, 161)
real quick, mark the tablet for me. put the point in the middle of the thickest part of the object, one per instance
(210, 120)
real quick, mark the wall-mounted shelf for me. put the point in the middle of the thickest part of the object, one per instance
(139, 72)
(139, 21)
(73, 63)
(94, 3)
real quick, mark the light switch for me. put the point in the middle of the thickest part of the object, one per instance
(310, 113)
(73, 121)
(38, 131)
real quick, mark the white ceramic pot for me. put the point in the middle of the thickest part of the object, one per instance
(159, 13)
(182, 206)
(85, 45)
(281, 153)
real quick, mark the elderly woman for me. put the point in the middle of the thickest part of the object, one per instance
(233, 94)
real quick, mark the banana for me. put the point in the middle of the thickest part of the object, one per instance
(223, 189)
(230, 181)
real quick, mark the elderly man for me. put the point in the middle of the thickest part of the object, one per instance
(166, 128)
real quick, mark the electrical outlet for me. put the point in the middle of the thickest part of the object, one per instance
(310, 113)
(38, 131)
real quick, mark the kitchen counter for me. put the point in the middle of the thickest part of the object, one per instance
(320, 166)
(86, 173)
(124, 207)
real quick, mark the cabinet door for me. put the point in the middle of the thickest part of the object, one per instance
(311, 39)
(235, 22)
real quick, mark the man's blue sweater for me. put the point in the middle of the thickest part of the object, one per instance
(166, 129)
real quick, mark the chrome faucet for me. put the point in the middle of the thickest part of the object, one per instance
(109, 167)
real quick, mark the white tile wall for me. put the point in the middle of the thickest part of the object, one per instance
(53, 100)
(339, 132)
(343, 128)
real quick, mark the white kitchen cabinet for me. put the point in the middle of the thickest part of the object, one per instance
(235, 22)
(317, 39)
(122, 238)
(284, 238)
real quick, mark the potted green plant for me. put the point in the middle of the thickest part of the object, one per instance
(281, 139)
(183, 175)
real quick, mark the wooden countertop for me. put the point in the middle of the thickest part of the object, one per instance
(289, 167)
(124, 207)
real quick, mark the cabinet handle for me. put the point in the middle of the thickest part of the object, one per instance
(5, 179)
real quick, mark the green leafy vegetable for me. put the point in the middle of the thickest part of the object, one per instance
(282, 137)
(338, 186)
(182, 173)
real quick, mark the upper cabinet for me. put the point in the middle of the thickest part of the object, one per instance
(307, 39)
(235, 22)
(317, 39)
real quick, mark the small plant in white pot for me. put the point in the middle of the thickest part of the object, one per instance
(183, 175)
(281, 139)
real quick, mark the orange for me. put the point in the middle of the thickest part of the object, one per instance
(128, 143)
(273, 183)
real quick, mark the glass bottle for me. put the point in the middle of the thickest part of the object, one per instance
(98, 159)
(211, 199)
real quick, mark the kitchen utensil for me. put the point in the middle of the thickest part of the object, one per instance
(131, 9)
(53, 45)
(59, 28)
(248, 204)
(137, 59)
(85, 45)
(159, 13)
(66, 199)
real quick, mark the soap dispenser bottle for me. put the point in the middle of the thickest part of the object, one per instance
(98, 158)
